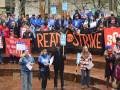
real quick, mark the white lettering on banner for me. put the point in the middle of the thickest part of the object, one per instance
(14, 51)
(112, 38)
(12, 41)
(8, 46)
(13, 46)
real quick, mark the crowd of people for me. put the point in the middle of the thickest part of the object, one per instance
(81, 23)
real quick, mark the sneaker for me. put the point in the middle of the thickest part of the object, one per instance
(83, 87)
(89, 85)
(63, 88)
(55, 88)
(2, 63)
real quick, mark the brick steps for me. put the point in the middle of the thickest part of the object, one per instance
(96, 75)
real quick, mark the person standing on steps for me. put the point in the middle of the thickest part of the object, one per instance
(109, 68)
(44, 71)
(27, 74)
(85, 59)
(58, 63)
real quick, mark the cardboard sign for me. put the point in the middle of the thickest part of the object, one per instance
(63, 39)
(22, 30)
(78, 58)
(64, 6)
(53, 10)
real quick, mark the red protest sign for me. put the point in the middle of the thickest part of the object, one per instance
(11, 44)
(110, 35)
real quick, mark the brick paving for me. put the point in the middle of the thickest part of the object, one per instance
(14, 83)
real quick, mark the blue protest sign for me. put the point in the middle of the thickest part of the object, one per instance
(63, 39)
(64, 6)
(53, 10)
(78, 58)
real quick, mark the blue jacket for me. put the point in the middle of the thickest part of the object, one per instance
(33, 31)
(38, 22)
(77, 23)
(103, 14)
(82, 15)
(90, 15)
(25, 61)
(66, 24)
(51, 22)
(44, 60)
(33, 21)
(10, 23)
(57, 24)
(42, 22)
(15, 19)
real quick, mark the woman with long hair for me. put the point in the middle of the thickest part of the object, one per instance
(27, 74)
(85, 59)
(5, 30)
(44, 71)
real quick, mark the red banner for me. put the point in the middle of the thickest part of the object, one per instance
(110, 35)
(11, 46)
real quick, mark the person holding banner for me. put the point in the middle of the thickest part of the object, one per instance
(85, 29)
(27, 62)
(59, 23)
(113, 25)
(85, 59)
(44, 71)
(12, 35)
(109, 68)
(117, 47)
(29, 35)
(58, 66)
(101, 27)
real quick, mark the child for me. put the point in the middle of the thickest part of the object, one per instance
(110, 60)
(117, 72)
(32, 28)
(101, 27)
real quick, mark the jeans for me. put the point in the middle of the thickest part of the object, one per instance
(27, 80)
(61, 76)
(12, 58)
(1, 58)
(44, 75)
(83, 75)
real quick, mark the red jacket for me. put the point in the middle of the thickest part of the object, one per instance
(6, 32)
(0, 29)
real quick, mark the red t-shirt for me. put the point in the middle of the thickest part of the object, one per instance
(101, 29)
(11, 36)
(112, 26)
(45, 28)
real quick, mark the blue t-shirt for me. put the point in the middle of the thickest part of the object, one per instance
(82, 15)
(44, 60)
(66, 24)
(103, 14)
(51, 22)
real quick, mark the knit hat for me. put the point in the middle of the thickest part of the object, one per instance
(117, 39)
(24, 51)
(107, 46)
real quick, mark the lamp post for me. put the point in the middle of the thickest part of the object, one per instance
(48, 6)
(98, 2)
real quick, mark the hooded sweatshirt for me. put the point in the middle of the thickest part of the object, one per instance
(33, 21)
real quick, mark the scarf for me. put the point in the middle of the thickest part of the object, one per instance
(111, 64)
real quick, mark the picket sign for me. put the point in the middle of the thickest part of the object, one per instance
(63, 41)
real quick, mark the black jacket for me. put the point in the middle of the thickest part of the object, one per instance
(108, 70)
(85, 31)
(16, 30)
(88, 22)
(114, 26)
(97, 13)
(109, 20)
(58, 60)
(78, 16)
(104, 22)
(28, 36)
(57, 25)
(3, 41)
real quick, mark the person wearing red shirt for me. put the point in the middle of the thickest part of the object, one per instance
(101, 27)
(5, 30)
(12, 35)
(45, 28)
(0, 28)
(113, 25)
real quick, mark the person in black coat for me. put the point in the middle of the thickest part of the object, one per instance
(113, 25)
(97, 12)
(15, 29)
(112, 17)
(59, 23)
(86, 20)
(103, 20)
(110, 64)
(2, 49)
(85, 29)
(29, 35)
(76, 13)
(58, 63)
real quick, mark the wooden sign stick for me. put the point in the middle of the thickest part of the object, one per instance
(63, 50)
